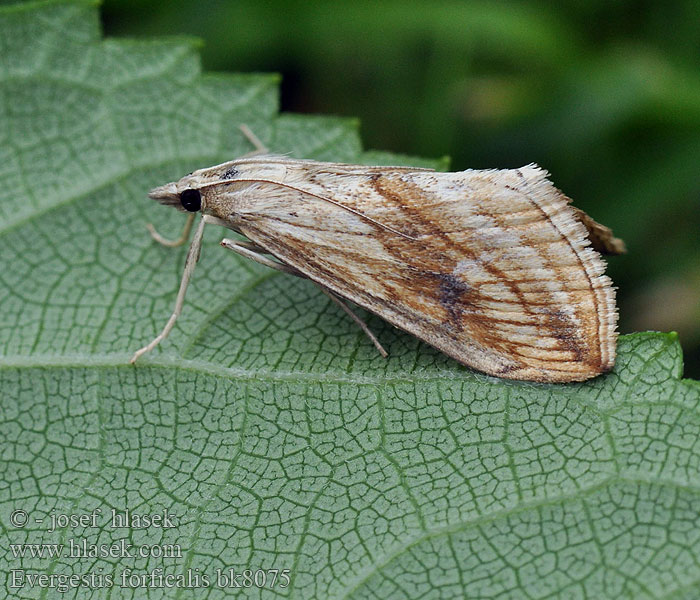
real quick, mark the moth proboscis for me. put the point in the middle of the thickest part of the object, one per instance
(493, 267)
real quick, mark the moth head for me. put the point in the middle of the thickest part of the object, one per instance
(182, 195)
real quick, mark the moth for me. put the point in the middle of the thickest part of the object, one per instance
(494, 268)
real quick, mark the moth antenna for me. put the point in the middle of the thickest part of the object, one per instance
(361, 215)
(325, 198)
(173, 243)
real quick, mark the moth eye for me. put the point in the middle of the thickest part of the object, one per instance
(191, 200)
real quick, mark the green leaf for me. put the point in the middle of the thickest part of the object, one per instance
(267, 424)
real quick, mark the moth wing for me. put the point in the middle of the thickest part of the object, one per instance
(492, 267)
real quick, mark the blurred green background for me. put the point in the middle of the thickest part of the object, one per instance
(605, 95)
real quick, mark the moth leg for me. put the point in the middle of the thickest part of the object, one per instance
(190, 263)
(255, 252)
(358, 320)
(173, 243)
(260, 148)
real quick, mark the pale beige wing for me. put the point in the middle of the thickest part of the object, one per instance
(491, 267)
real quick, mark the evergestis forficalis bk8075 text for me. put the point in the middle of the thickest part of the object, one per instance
(493, 268)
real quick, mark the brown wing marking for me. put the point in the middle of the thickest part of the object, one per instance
(524, 331)
(460, 300)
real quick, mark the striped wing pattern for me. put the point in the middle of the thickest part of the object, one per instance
(491, 267)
